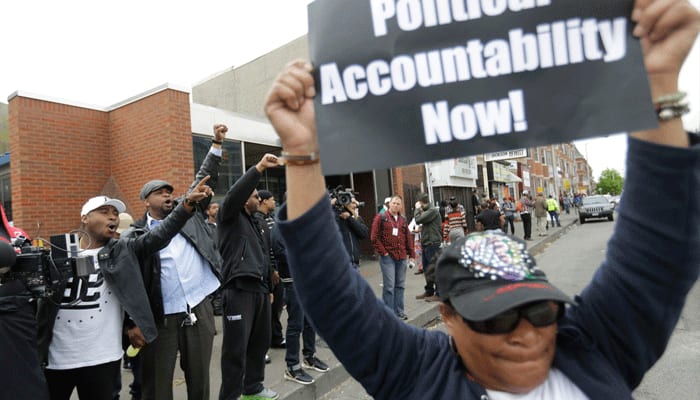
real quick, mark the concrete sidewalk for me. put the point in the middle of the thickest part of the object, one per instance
(420, 313)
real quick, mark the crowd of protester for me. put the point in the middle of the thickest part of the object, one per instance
(159, 282)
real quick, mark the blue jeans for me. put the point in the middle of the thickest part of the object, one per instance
(297, 325)
(394, 285)
(553, 215)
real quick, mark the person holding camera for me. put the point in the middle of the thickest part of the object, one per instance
(80, 327)
(352, 227)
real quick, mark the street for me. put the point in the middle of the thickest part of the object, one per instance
(570, 263)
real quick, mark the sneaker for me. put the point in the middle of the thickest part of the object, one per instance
(422, 296)
(265, 394)
(420, 271)
(433, 298)
(298, 376)
(314, 363)
(268, 359)
(402, 316)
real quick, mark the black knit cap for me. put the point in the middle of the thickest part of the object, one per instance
(487, 273)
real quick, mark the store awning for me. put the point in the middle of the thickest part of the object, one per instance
(511, 178)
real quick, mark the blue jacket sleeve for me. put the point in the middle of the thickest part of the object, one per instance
(635, 298)
(364, 335)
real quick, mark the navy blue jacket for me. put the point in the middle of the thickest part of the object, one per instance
(618, 329)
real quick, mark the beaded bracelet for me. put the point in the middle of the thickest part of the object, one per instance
(671, 106)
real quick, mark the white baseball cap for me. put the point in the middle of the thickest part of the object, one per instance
(99, 201)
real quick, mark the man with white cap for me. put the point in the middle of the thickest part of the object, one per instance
(80, 328)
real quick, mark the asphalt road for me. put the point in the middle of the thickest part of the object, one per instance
(570, 263)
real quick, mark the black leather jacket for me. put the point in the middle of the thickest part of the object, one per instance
(243, 240)
(118, 261)
(195, 231)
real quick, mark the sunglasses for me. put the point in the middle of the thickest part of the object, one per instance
(540, 314)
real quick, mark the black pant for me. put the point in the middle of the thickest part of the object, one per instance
(95, 382)
(21, 376)
(527, 224)
(429, 260)
(275, 313)
(246, 340)
(194, 344)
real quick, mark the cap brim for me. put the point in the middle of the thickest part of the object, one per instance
(118, 204)
(491, 299)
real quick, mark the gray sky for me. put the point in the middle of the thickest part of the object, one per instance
(102, 52)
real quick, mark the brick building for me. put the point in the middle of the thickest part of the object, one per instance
(63, 152)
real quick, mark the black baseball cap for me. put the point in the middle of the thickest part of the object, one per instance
(487, 273)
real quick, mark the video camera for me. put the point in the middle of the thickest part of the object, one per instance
(343, 198)
(40, 268)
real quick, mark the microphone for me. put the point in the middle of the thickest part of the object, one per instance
(8, 256)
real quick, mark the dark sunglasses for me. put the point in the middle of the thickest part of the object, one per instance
(540, 314)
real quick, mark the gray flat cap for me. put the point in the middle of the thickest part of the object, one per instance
(154, 185)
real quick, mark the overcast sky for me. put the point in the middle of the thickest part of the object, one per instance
(103, 52)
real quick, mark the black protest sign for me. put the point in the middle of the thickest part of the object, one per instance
(408, 81)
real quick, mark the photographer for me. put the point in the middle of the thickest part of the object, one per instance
(21, 378)
(80, 326)
(352, 227)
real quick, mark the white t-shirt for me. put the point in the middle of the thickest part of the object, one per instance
(88, 332)
(557, 387)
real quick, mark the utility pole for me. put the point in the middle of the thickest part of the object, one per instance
(555, 168)
(588, 172)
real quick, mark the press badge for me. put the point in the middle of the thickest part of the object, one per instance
(395, 231)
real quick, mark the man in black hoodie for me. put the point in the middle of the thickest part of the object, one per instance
(247, 287)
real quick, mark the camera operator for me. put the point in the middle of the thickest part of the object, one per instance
(80, 326)
(352, 227)
(20, 371)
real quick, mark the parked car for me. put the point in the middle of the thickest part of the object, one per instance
(595, 207)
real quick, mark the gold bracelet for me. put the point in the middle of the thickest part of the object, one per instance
(301, 159)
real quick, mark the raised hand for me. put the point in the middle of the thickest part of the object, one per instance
(198, 193)
(290, 108)
(220, 132)
(667, 30)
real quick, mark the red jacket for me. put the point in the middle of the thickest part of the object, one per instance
(384, 241)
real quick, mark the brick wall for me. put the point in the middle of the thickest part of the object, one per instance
(64, 154)
(151, 139)
(60, 157)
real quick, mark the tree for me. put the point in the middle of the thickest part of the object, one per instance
(610, 182)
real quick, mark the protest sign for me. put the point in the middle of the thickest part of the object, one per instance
(407, 81)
